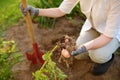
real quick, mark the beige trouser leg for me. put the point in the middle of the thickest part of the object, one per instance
(100, 55)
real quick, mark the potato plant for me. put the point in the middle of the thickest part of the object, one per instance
(8, 57)
(49, 70)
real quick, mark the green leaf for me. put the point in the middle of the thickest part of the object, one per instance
(46, 56)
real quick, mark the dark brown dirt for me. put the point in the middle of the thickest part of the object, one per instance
(46, 39)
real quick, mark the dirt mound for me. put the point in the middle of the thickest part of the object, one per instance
(46, 39)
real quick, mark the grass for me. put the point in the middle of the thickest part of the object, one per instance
(9, 14)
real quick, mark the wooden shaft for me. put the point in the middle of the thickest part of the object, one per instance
(28, 21)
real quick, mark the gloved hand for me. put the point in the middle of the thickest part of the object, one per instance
(66, 53)
(82, 49)
(33, 11)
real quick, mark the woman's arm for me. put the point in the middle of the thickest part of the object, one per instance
(99, 42)
(51, 12)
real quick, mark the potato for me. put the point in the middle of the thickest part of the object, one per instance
(65, 53)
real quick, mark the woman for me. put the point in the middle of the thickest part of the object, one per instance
(100, 34)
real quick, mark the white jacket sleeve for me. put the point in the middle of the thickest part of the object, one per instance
(113, 19)
(67, 5)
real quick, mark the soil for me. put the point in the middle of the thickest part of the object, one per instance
(46, 39)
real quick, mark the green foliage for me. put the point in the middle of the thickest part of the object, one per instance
(49, 70)
(9, 13)
(46, 21)
(47, 3)
(8, 58)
